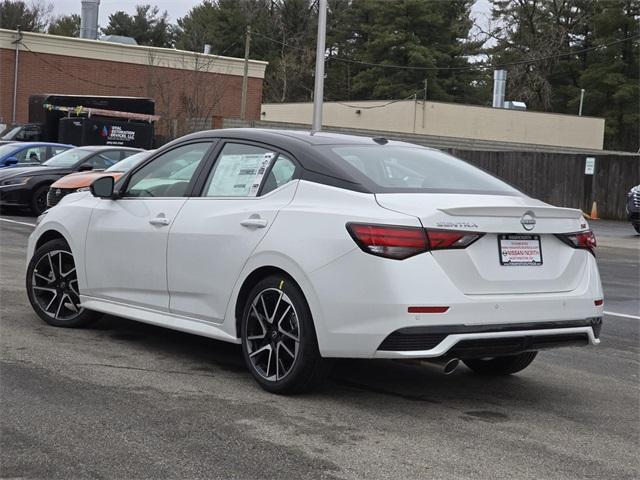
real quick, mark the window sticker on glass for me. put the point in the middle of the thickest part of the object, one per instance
(239, 175)
(262, 168)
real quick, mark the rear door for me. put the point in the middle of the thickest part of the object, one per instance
(126, 243)
(215, 234)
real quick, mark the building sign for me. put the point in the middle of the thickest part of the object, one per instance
(116, 135)
(590, 166)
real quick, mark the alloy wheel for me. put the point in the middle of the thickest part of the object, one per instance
(273, 334)
(54, 285)
(41, 202)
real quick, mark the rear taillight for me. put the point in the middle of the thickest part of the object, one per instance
(585, 240)
(446, 239)
(387, 241)
(403, 242)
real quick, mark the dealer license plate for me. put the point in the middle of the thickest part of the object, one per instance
(520, 250)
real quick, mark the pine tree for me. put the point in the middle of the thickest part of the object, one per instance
(146, 25)
(66, 26)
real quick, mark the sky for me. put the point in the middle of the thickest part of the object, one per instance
(179, 8)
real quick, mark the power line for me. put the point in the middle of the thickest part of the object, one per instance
(478, 66)
(370, 107)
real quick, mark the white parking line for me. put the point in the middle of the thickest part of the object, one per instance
(624, 315)
(19, 223)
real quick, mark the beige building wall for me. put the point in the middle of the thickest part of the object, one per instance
(450, 120)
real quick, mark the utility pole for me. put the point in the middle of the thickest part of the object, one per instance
(245, 78)
(16, 42)
(318, 91)
(581, 101)
(424, 104)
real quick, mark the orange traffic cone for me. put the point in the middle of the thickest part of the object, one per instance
(594, 211)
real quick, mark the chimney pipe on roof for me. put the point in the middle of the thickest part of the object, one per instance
(499, 86)
(207, 49)
(89, 19)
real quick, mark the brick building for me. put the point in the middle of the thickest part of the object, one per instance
(191, 90)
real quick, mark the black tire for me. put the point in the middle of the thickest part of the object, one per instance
(637, 227)
(307, 368)
(43, 287)
(506, 365)
(39, 200)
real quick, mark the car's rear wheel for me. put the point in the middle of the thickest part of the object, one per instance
(505, 365)
(278, 337)
(39, 200)
(52, 287)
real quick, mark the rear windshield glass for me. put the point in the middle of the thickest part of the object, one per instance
(413, 169)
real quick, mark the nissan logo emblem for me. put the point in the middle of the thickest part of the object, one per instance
(528, 221)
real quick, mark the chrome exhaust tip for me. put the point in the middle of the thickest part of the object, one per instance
(448, 365)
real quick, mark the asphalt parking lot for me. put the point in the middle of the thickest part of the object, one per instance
(127, 400)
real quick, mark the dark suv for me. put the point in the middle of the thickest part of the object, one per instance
(633, 207)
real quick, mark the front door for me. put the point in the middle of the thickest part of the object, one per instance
(127, 238)
(216, 233)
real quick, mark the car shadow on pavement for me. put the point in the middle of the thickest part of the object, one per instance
(350, 380)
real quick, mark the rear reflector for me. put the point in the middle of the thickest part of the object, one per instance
(597, 303)
(391, 241)
(585, 240)
(427, 309)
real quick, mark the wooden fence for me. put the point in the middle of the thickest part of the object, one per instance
(559, 179)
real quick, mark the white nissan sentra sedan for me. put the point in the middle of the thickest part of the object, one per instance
(305, 247)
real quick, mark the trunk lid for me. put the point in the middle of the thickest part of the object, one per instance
(477, 269)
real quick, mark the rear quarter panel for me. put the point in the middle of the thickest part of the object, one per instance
(311, 233)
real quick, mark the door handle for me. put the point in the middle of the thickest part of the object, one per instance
(160, 221)
(254, 222)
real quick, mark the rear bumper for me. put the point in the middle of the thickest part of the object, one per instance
(473, 341)
(354, 313)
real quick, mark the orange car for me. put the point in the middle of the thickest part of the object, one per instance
(77, 182)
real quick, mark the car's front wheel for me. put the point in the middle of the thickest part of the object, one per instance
(278, 337)
(637, 227)
(39, 200)
(52, 286)
(505, 365)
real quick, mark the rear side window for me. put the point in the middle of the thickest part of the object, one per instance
(283, 171)
(413, 169)
(103, 160)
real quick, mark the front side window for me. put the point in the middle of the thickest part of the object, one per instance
(238, 171)
(414, 169)
(168, 175)
(32, 155)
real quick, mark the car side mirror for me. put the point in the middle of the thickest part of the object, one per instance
(85, 167)
(9, 162)
(102, 187)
